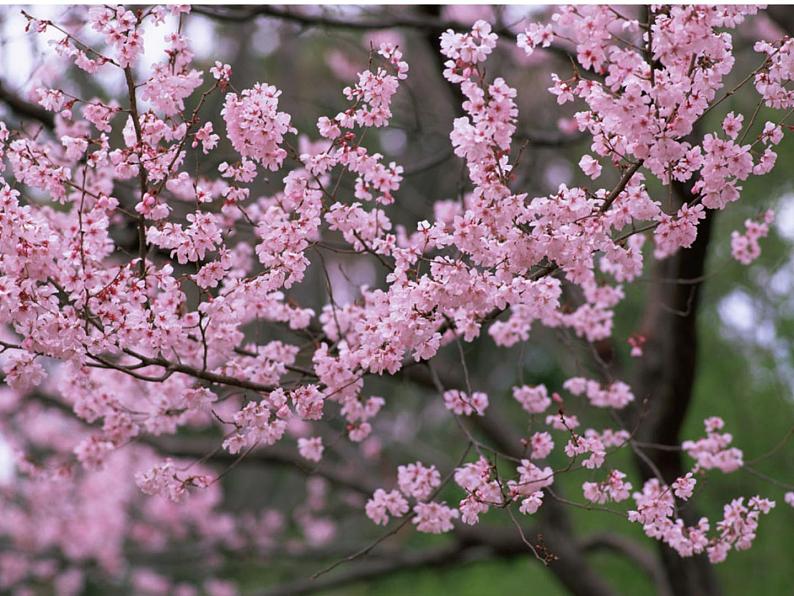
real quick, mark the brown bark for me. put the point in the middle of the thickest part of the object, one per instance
(664, 385)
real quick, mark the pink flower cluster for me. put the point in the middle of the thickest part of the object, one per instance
(534, 400)
(418, 482)
(465, 405)
(617, 395)
(528, 487)
(165, 480)
(256, 423)
(254, 125)
(614, 489)
(714, 450)
(482, 490)
(534, 36)
(657, 513)
(745, 247)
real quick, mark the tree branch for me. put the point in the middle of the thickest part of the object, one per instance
(278, 455)
(436, 558)
(406, 20)
(638, 555)
(26, 109)
(472, 544)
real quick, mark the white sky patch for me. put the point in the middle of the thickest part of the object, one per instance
(347, 276)
(558, 171)
(155, 44)
(267, 37)
(200, 33)
(745, 317)
(737, 310)
(16, 57)
(23, 54)
(765, 333)
(6, 462)
(780, 282)
(521, 15)
(784, 216)
(393, 140)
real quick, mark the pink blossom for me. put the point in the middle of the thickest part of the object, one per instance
(535, 35)
(311, 448)
(714, 450)
(255, 127)
(590, 166)
(732, 124)
(221, 72)
(772, 133)
(534, 400)
(434, 518)
(542, 445)
(23, 371)
(384, 504)
(206, 137)
(617, 395)
(465, 405)
(745, 247)
(684, 487)
(417, 481)
(614, 488)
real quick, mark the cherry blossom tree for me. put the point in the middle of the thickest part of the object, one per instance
(154, 339)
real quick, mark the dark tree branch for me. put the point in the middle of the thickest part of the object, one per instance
(428, 23)
(25, 109)
(638, 555)
(273, 455)
(437, 558)
(783, 16)
(396, 20)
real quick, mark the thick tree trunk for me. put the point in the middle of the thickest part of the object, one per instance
(664, 386)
